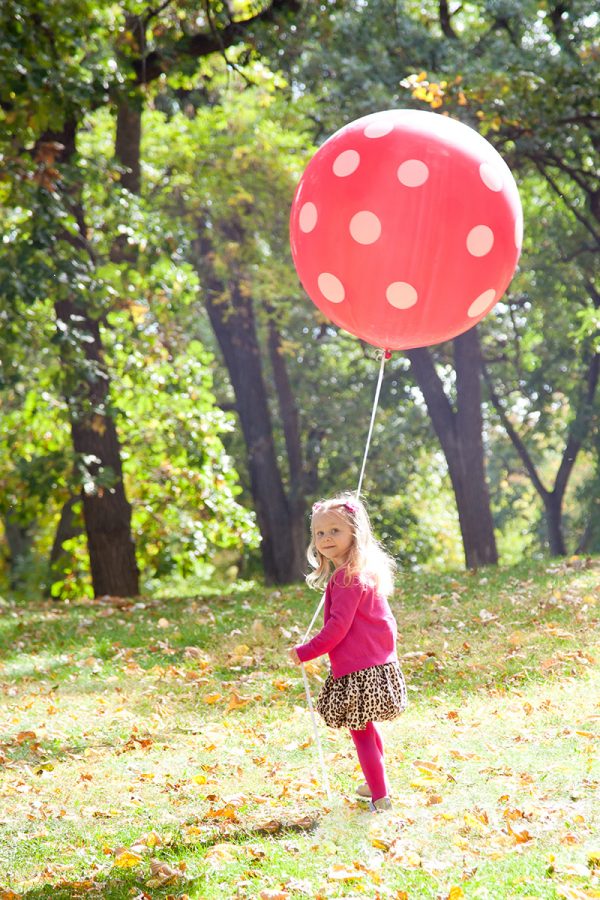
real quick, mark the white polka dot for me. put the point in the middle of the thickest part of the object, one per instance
(480, 240)
(331, 287)
(482, 303)
(413, 173)
(491, 177)
(519, 231)
(401, 294)
(346, 163)
(378, 128)
(365, 227)
(308, 217)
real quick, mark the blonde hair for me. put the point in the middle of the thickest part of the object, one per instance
(366, 558)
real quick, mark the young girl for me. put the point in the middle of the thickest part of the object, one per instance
(365, 684)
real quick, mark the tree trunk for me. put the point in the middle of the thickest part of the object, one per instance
(553, 507)
(68, 527)
(19, 538)
(106, 512)
(232, 319)
(290, 420)
(460, 434)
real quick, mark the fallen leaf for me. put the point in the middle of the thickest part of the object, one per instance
(341, 872)
(570, 839)
(211, 698)
(152, 839)
(162, 874)
(593, 860)
(520, 837)
(226, 812)
(479, 821)
(127, 860)
(221, 854)
(574, 893)
(237, 702)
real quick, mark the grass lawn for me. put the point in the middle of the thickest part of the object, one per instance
(163, 748)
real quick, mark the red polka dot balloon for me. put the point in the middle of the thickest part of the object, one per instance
(406, 228)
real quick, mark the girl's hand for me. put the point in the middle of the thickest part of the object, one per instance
(294, 657)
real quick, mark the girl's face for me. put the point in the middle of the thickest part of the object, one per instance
(333, 536)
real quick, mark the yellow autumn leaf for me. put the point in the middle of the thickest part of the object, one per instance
(199, 779)
(221, 854)
(98, 425)
(520, 837)
(517, 638)
(237, 702)
(127, 860)
(575, 893)
(312, 667)
(340, 872)
(378, 837)
(152, 839)
(593, 859)
(226, 812)
(478, 821)
(211, 698)
(282, 684)
(455, 893)
(427, 766)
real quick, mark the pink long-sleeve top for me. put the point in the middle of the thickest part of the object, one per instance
(359, 628)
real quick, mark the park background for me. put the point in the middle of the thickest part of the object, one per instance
(172, 403)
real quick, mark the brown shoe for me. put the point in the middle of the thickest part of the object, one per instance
(382, 805)
(363, 790)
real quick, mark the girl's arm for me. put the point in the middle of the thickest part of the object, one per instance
(344, 603)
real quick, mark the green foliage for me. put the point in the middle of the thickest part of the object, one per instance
(222, 148)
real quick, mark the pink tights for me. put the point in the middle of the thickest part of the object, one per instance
(369, 747)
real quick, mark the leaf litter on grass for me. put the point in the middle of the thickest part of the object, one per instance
(493, 764)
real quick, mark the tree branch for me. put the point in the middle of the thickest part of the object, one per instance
(514, 436)
(579, 428)
(581, 219)
(446, 21)
(197, 46)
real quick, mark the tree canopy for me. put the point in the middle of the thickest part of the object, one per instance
(171, 400)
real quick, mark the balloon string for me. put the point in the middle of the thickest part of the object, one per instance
(316, 734)
(384, 357)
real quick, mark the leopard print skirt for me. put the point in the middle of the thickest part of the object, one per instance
(376, 694)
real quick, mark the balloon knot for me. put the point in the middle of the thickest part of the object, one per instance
(388, 354)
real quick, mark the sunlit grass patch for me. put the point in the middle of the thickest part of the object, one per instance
(164, 747)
